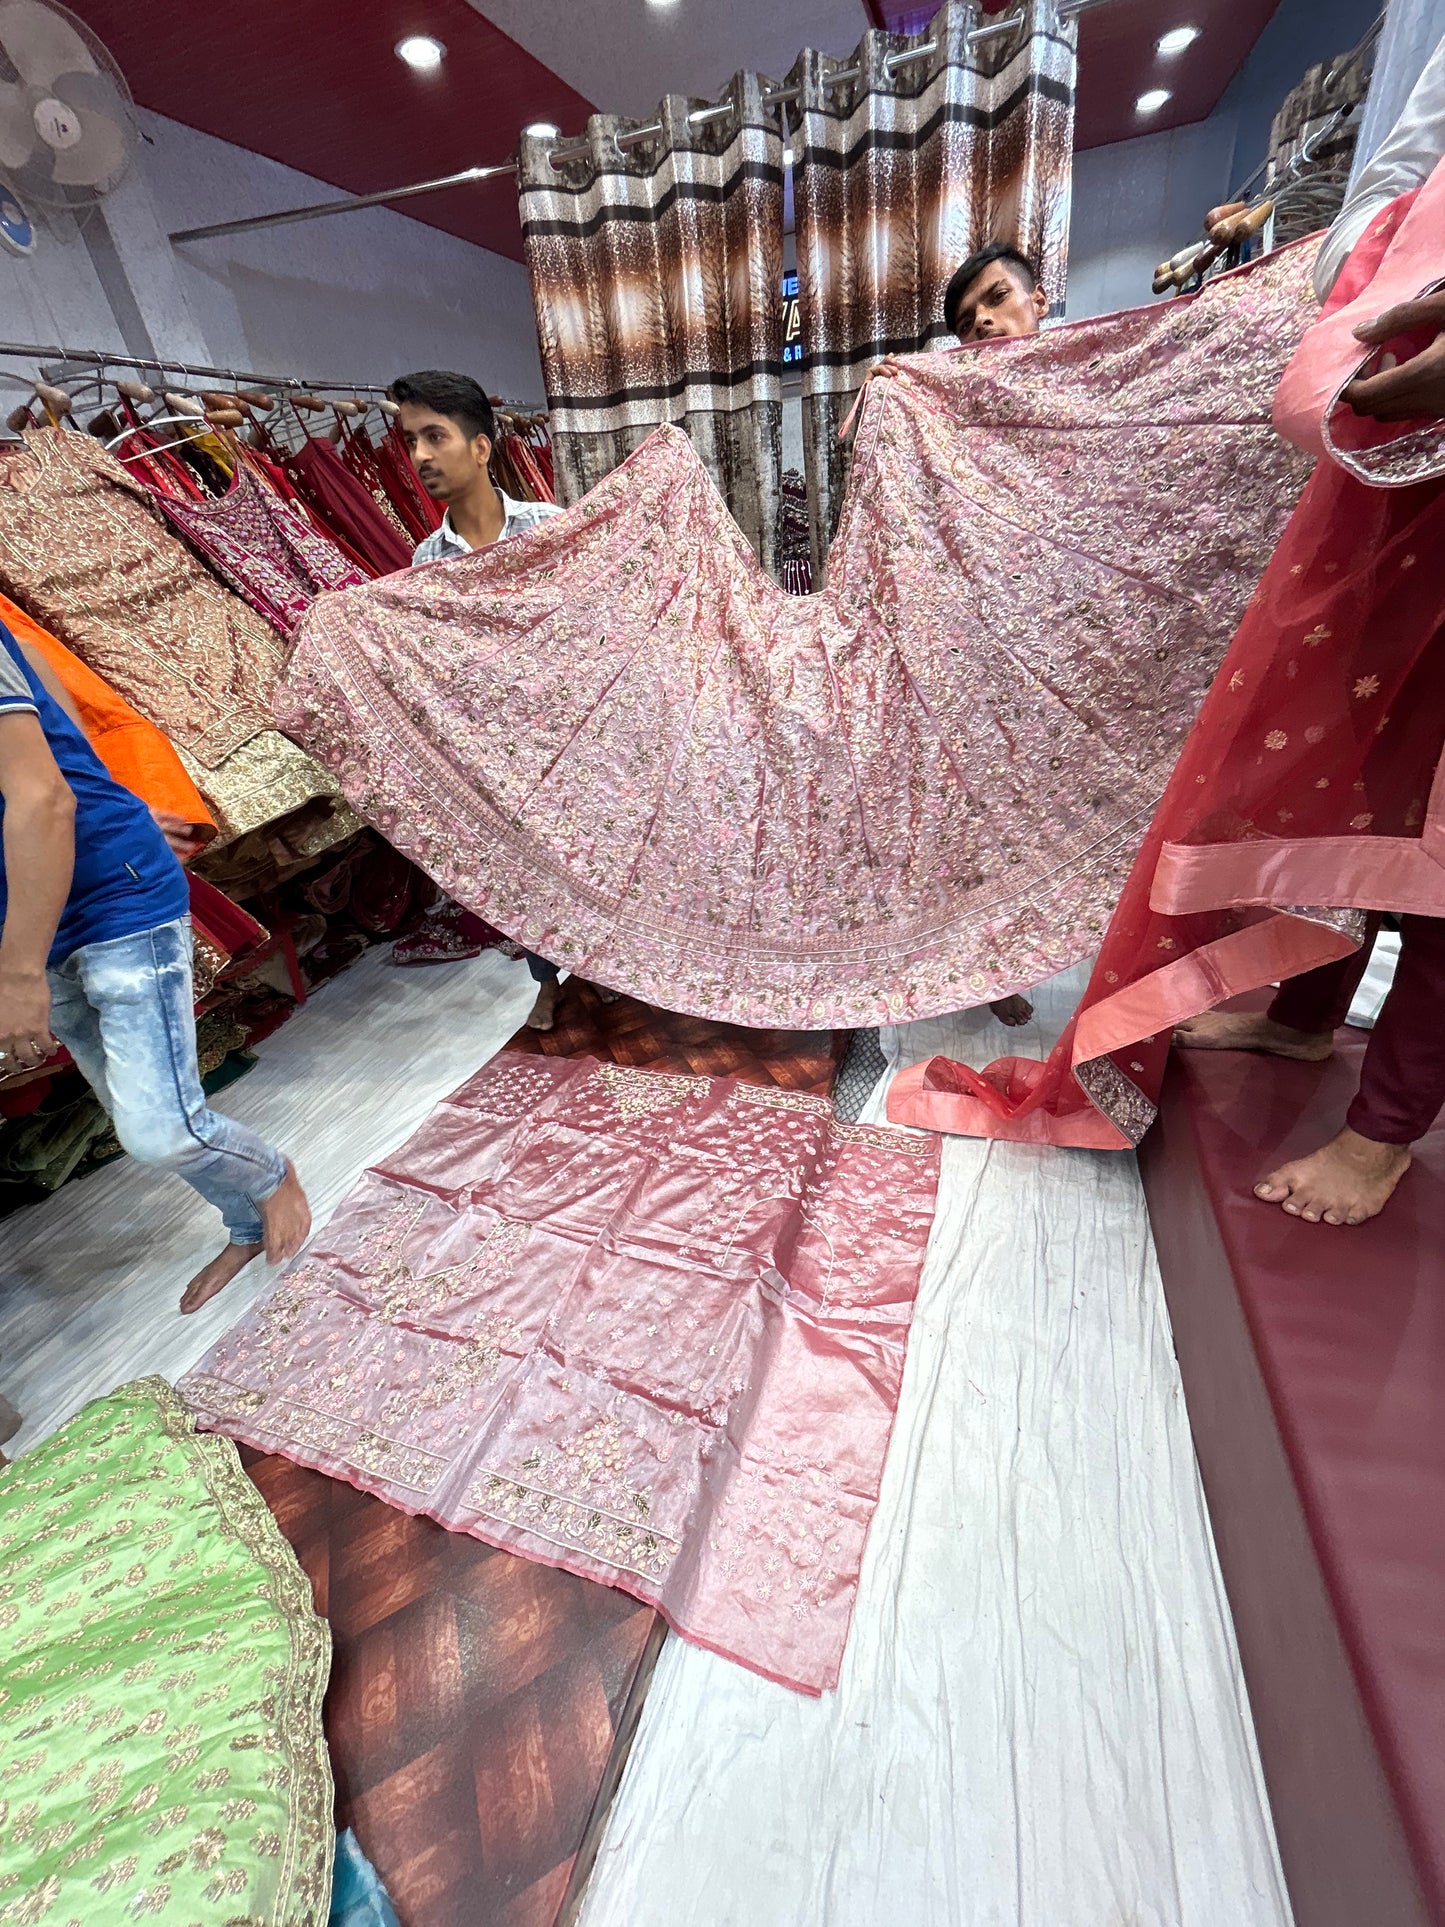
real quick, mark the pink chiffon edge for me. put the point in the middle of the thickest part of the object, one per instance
(1278, 946)
(348, 1476)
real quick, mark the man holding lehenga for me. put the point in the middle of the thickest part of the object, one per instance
(1310, 795)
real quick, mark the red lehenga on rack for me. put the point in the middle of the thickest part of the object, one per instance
(1311, 789)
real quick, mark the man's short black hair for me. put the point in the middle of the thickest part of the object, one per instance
(974, 266)
(460, 398)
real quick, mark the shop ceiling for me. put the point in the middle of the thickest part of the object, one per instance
(321, 88)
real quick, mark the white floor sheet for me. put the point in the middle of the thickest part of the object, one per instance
(1041, 1719)
(90, 1280)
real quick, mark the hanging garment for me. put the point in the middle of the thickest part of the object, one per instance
(648, 1328)
(657, 274)
(161, 1678)
(348, 506)
(84, 549)
(266, 552)
(420, 515)
(901, 172)
(133, 750)
(795, 564)
(616, 740)
(1310, 789)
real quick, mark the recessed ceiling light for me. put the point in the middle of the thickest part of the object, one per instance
(543, 129)
(661, 3)
(1177, 39)
(421, 52)
(1151, 102)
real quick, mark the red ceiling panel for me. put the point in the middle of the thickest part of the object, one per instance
(1118, 62)
(318, 86)
(1118, 57)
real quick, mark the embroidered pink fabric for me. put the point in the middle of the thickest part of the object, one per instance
(649, 1328)
(617, 740)
(263, 547)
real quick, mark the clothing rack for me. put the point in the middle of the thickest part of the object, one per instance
(105, 360)
(1194, 261)
(995, 29)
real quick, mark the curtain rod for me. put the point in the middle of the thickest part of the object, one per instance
(353, 203)
(238, 377)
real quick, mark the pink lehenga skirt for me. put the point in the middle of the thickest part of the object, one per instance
(617, 740)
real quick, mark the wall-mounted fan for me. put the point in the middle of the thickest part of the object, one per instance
(67, 123)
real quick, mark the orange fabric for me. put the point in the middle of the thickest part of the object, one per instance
(132, 749)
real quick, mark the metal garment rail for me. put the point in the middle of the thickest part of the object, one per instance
(104, 360)
(354, 203)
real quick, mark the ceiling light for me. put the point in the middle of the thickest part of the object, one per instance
(543, 130)
(661, 3)
(1177, 39)
(1151, 102)
(421, 52)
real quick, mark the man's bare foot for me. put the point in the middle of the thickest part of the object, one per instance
(1012, 1011)
(217, 1275)
(286, 1218)
(544, 1011)
(605, 995)
(1252, 1030)
(1346, 1181)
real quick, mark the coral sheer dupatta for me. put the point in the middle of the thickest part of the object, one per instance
(1309, 790)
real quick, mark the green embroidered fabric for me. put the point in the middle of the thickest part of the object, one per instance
(161, 1676)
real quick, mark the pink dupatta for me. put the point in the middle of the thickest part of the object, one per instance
(1310, 788)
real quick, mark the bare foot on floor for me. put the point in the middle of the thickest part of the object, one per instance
(605, 995)
(1347, 1181)
(544, 1011)
(286, 1218)
(1012, 1011)
(1252, 1030)
(217, 1275)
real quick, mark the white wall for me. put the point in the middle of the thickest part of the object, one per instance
(1136, 203)
(356, 298)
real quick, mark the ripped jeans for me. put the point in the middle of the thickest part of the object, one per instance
(125, 1012)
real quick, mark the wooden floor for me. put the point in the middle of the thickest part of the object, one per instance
(481, 1705)
(628, 1032)
(477, 1702)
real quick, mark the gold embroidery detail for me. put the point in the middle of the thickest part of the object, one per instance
(575, 1494)
(638, 1093)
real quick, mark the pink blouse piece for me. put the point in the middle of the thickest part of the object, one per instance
(645, 1327)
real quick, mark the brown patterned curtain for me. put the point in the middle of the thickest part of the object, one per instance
(902, 172)
(656, 274)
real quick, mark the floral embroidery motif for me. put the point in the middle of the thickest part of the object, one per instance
(576, 1494)
(1276, 739)
(639, 1093)
(779, 1100)
(1366, 687)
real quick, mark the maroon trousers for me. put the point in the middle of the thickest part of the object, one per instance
(1402, 1082)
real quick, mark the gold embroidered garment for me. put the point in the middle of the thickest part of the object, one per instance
(616, 740)
(648, 1328)
(84, 550)
(161, 1678)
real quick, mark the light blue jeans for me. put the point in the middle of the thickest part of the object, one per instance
(125, 1012)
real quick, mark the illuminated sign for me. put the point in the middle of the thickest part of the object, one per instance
(792, 319)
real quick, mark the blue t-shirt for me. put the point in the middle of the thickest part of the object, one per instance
(126, 876)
